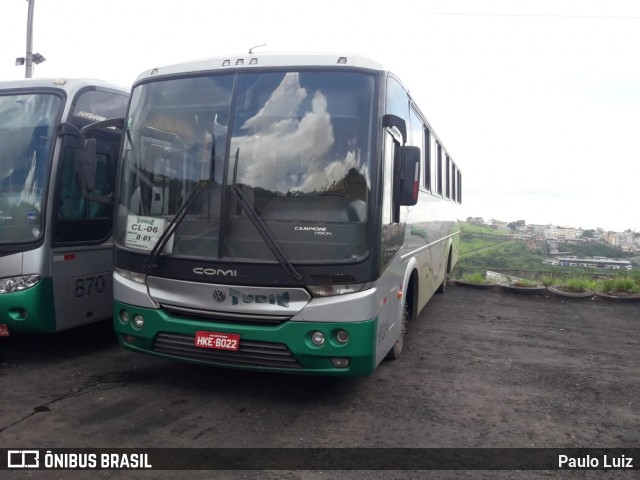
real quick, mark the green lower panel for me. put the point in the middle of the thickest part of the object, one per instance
(30, 310)
(274, 348)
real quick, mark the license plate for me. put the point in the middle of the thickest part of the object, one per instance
(4, 330)
(217, 341)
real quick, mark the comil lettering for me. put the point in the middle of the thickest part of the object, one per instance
(215, 272)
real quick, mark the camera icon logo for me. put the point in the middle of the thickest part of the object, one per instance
(23, 459)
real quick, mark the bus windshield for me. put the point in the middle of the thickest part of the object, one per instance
(26, 133)
(295, 144)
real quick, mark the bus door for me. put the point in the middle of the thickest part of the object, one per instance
(82, 255)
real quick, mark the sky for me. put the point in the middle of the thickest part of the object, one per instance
(537, 102)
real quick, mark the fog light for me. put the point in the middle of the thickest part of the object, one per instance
(342, 336)
(124, 316)
(129, 339)
(340, 362)
(138, 321)
(317, 338)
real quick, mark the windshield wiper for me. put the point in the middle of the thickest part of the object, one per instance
(262, 228)
(266, 235)
(181, 214)
(175, 222)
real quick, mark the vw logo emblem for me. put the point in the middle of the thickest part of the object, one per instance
(219, 295)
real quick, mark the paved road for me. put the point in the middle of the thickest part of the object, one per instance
(479, 369)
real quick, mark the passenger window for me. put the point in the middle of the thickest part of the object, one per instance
(417, 134)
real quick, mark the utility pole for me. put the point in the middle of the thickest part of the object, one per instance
(28, 72)
(30, 58)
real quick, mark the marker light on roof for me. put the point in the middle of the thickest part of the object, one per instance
(342, 60)
(240, 61)
(253, 61)
(226, 63)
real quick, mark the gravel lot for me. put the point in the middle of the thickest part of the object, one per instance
(480, 369)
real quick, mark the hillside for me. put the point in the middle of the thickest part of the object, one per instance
(484, 248)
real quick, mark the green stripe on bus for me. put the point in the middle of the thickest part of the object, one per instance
(306, 358)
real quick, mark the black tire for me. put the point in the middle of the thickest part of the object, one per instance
(443, 285)
(396, 350)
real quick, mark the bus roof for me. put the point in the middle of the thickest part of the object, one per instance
(262, 60)
(66, 84)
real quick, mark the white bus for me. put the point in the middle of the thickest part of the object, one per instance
(55, 247)
(286, 213)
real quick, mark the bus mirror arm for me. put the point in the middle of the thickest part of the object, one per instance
(69, 130)
(390, 121)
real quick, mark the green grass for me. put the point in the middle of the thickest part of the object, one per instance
(501, 255)
(472, 228)
(620, 285)
(474, 278)
(579, 284)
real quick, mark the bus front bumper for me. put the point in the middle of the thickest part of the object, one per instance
(287, 347)
(30, 310)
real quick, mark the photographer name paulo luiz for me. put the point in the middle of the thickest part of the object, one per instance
(607, 461)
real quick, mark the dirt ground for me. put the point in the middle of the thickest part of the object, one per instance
(480, 369)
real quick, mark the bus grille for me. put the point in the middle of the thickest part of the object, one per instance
(250, 353)
(220, 317)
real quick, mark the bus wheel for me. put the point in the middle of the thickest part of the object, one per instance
(396, 350)
(443, 285)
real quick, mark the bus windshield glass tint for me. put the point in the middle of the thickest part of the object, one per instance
(26, 133)
(296, 144)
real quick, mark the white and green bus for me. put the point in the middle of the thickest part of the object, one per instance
(55, 246)
(284, 213)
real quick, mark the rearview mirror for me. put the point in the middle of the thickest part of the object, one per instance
(88, 162)
(87, 167)
(407, 176)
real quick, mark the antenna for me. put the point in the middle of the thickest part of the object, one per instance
(257, 46)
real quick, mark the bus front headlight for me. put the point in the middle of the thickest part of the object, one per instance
(133, 276)
(17, 284)
(331, 290)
